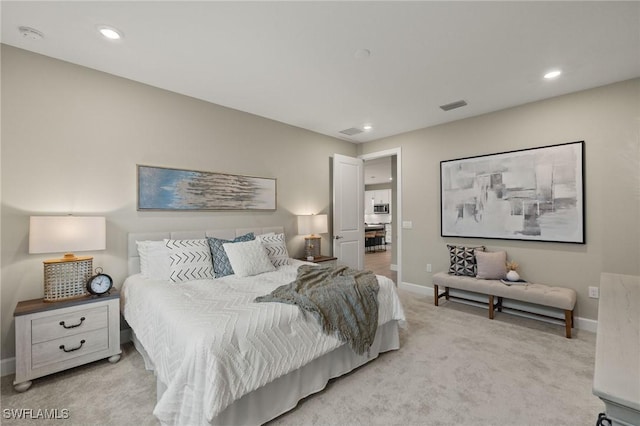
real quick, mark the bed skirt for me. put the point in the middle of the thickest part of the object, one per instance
(283, 394)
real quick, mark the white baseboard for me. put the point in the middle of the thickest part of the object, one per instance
(585, 324)
(415, 288)
(8, 366)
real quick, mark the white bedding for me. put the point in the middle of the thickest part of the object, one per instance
(211, 344)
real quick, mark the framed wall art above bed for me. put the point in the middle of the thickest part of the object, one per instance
(532, 194)
(161, 188)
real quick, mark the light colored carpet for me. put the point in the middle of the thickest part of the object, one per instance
(455, 367)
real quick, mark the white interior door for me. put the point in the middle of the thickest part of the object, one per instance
(348, 211)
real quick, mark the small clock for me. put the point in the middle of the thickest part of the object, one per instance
(100, 283)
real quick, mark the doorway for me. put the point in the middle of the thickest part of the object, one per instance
(383, 186)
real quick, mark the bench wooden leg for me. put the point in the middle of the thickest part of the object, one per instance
(491, 307)
(568, 322)
(499, 304)
(436, 296)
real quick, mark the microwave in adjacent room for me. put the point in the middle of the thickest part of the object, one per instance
(381, 208)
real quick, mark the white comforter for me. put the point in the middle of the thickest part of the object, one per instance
(211, 344)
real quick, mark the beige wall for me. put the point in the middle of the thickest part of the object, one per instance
(606, 118)
(71, 139)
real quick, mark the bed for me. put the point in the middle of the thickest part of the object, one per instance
(221, 358)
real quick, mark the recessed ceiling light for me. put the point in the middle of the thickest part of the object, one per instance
(110, 32)
(367, 127)
(552, 74)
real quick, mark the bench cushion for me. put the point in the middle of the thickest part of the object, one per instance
(540, 294)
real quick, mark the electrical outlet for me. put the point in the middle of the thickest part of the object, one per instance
(594, 292)
(407, 224)
(428, 267)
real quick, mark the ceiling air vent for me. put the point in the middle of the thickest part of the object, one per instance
(350, 132)
(30, 33)
(453, 105)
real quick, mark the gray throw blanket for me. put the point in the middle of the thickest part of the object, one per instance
(344, 300)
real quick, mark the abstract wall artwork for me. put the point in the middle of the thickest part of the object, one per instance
(531, 194)
(162, 188)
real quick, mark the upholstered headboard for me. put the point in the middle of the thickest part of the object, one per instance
(228, 234)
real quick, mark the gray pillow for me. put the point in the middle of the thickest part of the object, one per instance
(491, 265)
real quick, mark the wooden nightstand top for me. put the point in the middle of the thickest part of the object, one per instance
(319, 259)
(39, 305)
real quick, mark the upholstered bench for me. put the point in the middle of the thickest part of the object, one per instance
(539, 294)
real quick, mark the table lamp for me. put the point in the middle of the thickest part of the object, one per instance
(312, 224)
(66, 277)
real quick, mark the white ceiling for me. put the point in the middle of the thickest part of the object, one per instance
(377, 171)
(296, 62)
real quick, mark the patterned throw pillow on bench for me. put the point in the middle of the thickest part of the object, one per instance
(463, 260)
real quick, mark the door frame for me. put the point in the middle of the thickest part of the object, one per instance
(397, 210)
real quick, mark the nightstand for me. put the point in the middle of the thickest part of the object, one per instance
(55, 336)
(324, 260)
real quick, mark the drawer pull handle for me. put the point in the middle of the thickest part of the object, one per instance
(74, 349)
(74, 325)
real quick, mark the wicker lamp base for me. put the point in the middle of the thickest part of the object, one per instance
(66, 279)
(312, 247)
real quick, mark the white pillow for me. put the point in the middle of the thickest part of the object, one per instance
(154, 260)
(276, 248)
(248, 258)
(189, 260)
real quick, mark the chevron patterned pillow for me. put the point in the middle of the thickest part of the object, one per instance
(276, 248)
(221, 265)
(463, 260)
(189, 260)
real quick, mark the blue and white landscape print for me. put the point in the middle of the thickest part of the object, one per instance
(174, 189)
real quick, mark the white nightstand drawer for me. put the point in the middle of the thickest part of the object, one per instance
(54, 351)
(90, 331)
(57, 326)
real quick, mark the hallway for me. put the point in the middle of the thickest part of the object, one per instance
(380, 263)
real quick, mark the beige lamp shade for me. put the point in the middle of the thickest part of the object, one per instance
(66, 234)
(312, 224)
